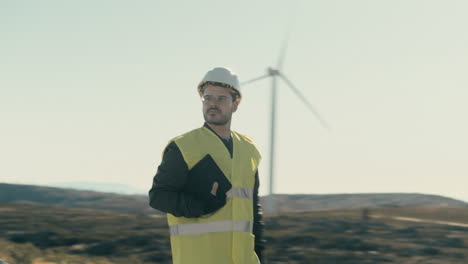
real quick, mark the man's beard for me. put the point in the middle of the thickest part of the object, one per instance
(221, 121)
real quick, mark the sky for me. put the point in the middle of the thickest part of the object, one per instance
(94, 90)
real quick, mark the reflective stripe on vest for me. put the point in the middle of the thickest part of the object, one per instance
(211, 227)
(239, 192)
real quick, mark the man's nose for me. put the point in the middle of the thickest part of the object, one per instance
(213, 102)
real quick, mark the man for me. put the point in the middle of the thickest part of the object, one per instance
(208, 183)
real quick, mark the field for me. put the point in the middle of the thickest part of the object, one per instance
(404, 235)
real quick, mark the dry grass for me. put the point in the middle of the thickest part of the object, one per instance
(41, 234)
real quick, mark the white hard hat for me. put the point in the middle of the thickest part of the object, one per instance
(223, 77)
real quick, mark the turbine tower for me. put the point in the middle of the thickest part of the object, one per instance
(274, 74)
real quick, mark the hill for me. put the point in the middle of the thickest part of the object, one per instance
(98, 187)
(318, 202)
(41, 195)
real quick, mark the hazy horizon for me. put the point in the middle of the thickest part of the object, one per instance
(132, 190)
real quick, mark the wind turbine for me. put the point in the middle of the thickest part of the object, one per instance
(274, 74)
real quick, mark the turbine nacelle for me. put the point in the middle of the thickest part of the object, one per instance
(272, 71)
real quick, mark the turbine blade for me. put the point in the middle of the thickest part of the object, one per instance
(284, 48)
(304, 100)
(256, 79)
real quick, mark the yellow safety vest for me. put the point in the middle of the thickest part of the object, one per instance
(225, 236)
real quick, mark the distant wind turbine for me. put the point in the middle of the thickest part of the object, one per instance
(274, 73)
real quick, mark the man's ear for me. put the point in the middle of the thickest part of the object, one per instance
(235, 104)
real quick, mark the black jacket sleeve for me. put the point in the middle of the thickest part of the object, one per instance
(166, 194)
(258, 225)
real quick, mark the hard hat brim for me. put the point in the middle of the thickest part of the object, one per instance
(224, 85)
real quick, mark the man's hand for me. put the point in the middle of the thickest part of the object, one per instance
(214, 189)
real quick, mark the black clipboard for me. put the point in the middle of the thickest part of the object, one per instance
(202, 176)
